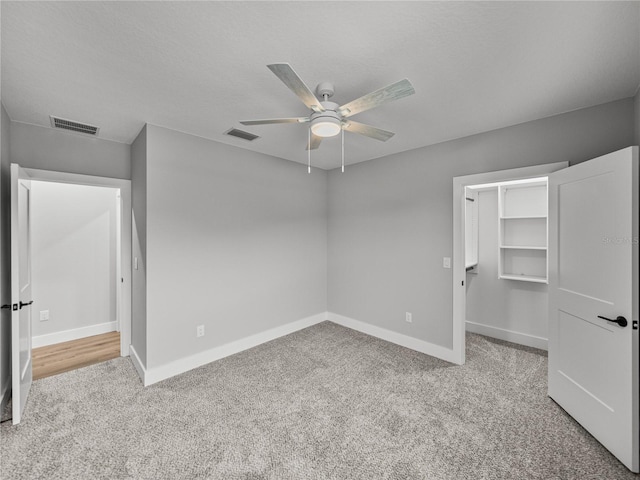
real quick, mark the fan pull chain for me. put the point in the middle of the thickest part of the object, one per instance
(342, 150)
(309, 152)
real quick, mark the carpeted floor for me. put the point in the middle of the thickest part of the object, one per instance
(322, 403)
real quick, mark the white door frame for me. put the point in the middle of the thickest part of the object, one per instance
(124, 306)
(459, 271)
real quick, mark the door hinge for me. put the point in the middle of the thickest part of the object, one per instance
(463, 283)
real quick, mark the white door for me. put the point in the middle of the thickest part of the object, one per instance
(593, 276)
(20, 290)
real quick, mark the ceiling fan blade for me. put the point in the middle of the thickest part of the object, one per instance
(315, 142)
(368, 130)
(268, 121)
(291, 79)
(395, 91)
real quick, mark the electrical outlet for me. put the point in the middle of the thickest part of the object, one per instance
(408, 317)
(446, 262)
(200, 331)
(44, 315)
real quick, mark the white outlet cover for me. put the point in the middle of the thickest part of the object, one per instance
(44, 315)
(408, 317)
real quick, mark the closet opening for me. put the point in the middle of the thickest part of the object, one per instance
(500, 265)
(506, 260)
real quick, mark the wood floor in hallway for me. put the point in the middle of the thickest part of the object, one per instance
(62, 357)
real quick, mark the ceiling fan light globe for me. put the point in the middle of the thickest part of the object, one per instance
(327, 127)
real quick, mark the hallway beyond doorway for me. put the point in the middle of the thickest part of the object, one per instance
(66, 356)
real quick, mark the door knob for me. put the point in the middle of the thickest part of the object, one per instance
(619, 320)
(29, 303)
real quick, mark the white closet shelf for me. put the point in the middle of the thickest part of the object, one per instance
(522, 234)
(524, 278)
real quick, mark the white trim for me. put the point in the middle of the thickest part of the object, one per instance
(73, 334)
(137, 363)
(421, 346)
(507, 335)
(459, 271)
(5, 394)
(118, 278)
(125, 236)
(162, 372)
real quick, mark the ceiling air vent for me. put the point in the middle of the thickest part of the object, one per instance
(234, 132)
(74, 126)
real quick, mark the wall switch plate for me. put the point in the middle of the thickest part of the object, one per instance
(408, 317)
(200, 331)
(446, 262)
(44, 315)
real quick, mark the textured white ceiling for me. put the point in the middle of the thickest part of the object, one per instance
(200, 67)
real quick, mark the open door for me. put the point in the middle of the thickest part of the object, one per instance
(20, 290)
(593, 298)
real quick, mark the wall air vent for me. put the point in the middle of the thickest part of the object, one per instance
(73, 126)
(234, 132)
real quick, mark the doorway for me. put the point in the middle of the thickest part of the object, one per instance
(461, 187)
(506, 260)
(89, 220)
(75, 268)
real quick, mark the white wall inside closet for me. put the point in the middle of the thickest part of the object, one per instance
(74, 260)
(507, 309)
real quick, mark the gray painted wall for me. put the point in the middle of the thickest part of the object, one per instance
(515, 306)
(48, 149)
(236, 241)
(5, 252)
(249, 232)
(390, 219)
(139, 247)
(73, 251)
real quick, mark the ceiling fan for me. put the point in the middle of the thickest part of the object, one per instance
(328, 119)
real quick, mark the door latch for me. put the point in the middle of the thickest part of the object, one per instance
(634, 324)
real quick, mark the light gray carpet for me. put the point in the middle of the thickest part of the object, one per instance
(322, 403)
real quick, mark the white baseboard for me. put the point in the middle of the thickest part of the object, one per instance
(137, 363)
(421, 346)
(73, 334)
(5, 393)
(162, 372)
(508, 335)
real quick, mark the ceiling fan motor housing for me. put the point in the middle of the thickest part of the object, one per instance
(327, 123)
